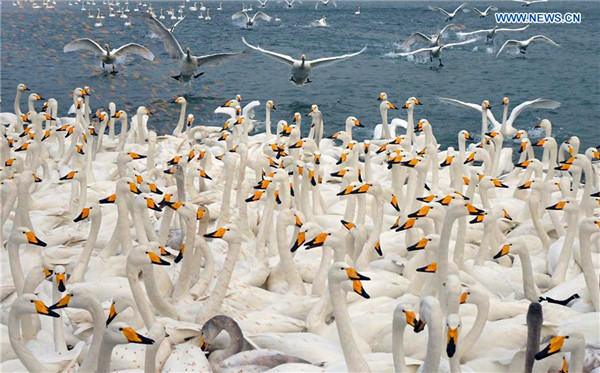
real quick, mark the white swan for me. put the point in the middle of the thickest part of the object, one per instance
(433, 39)
(449, 15)
(436, 51)
(250, 20)
(109, 57)
(302, 68)
(523, 44)
(482, 13)
(325, 3)
(188, 64)
(490, 34)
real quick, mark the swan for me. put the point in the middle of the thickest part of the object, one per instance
(322, 22)
(302, 68)
(490, 34)
(250, 20)
(115, 334)
(357, 11)
(436, 51)
(482, 13)
(325, 3)
(188, 64)
(263, 4)
(109, 57)
(449, 15)
(530, 2)
(523, 44)
(433, 39)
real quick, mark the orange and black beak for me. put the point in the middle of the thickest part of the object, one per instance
(477, 219)
(180, 254)
(503, 251)
(154, 189)
(499, 184)
(553, 347)
(152, 205)
(300, 239)
(60, 282)
(429, 268)
(34, 240)
(527, 185)
(409, 223)
(317, 241)
(419, 326)
(452, 341)
(112, 313)
(133, 337)
(110, 199)
(255, 197)
(356, 279)
(378, 248)
(85, 213)
(62, 303)
(473, 210)
(219, 233)
(422, 212)
(68, 176)
(419, 245)
(157, 260)
(42, 309)
(560, 205)
(361, 189)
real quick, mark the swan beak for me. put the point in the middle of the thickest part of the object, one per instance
(264, 183)
(427, 199)
(407, 225)
(297, 145)
(563, 167)
(470, 158)
(565, 366)
(478, 219)
(68, 176)
(348, 224)
(64, 302)
(110, 199)
(219, 233)
(297, 221)
(348, 190)
(355, 276)
(422, 212)
(152, 205)
(452, 340)
(418, 246)
(357, 123)
(527, 185)
(317, 241)
(506, 215)
(203, 345)
(522, 147)
(60, 282)
(32, 239)
(200, 213)
(136, 155)
(445, 201)
(25, 132)
(339, 173)
(499, 184)
(447, 161)
(112, 313)
(204, 175)
(410, 317)
(553, 347)
(473, 210)
(148, 112)
(255, 197)
(429, 268)
(134, 189)
(311, 176)
(22, 147)
(155, 259)
(540, 143)
(361, 189)
(391, 106)
(300, 239)
(504, 251)
(411, 162)
(48, 272)
(419, 326)
(463, 297)
(42, 309)
(560, 205)
(394, 203)
(359, 289)
(133, 337)
(26, 89)
(180, 255)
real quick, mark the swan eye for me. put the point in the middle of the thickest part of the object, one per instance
(120, 329)
(31, 301)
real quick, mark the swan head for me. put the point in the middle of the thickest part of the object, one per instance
(340, 272)
(464, 134)
(521, 134)
(190, 120)
(271, 105)
(568, 205)
(22, 87)
(485, 105)
(179, 100)
(31, 304)
(382, 96)
(121, 333)
(148, 254)
(429, 241)
(60, 278)
(303, 57)
(106, 47)
(505, 101)
(23, 235)
(566, 340)
(452, 327)
(405, 314)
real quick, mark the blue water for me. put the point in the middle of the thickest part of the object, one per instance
(32, 42)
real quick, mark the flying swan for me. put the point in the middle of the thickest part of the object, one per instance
(301, 68)
(523, 44)
(109, 57)
(436, 51)
(491, 33)
(250, 20)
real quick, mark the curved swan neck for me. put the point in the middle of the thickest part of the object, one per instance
(16, 341)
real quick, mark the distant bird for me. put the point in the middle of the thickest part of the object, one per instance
(263, 4)
(528, 3)
(433, 39)
(321, 22)
(290, 4)
(250, 20)
(302, 68)
(436, 51)
(491, 33)
(482, 14)
(357, 11)
(325, 3)
(523, 44)
(109, 57)
(188, 64)
(449, 16)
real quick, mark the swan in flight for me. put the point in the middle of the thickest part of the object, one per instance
(263, 4)
(109, 57)
(301, 68)
(522, 45)
(325, 3)
(449, 15)
(529, 2)
(250, 20)
(321, 22)
(491, 33)
(484, 13)
(290, 4)
(436, 51)
(188, 64)
(433, 39)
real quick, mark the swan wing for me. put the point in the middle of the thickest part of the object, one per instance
(225, 110)
(416, 51)
(546, 39)
(177, 23)
(538, 103)
(436, 9)
(491, 7)
(415, 37)
(512, 29)
(452, 27)
(472, 32)
(83, 44)
(455, 102)
(133, 48)
(261, 15)
(317, 4)
(459, 8)
(248, 110)
(171, 44)
(466, 10)
(327, 60)
(449, 45)
(397, 122)
(211, 60)
(240, 15)
(278, 56)
(508, 42)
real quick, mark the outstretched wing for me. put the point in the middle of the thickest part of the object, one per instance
(538, 103)
(449, 45)
(436, 9)
(455, 102)
(211, 60)
(248, 110)
(176, 24)
(508, 42)
(491, 7)
(317, 4)
(171, 44)
(278, 56)
(416, 51)
(327, 60)
(546, 39)
(472, 32)
(452, 27)
(512, 29)
(83, 44)
(242, 15)
(415, 37)
(459, 7)
(133, 48)
(261, 15)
